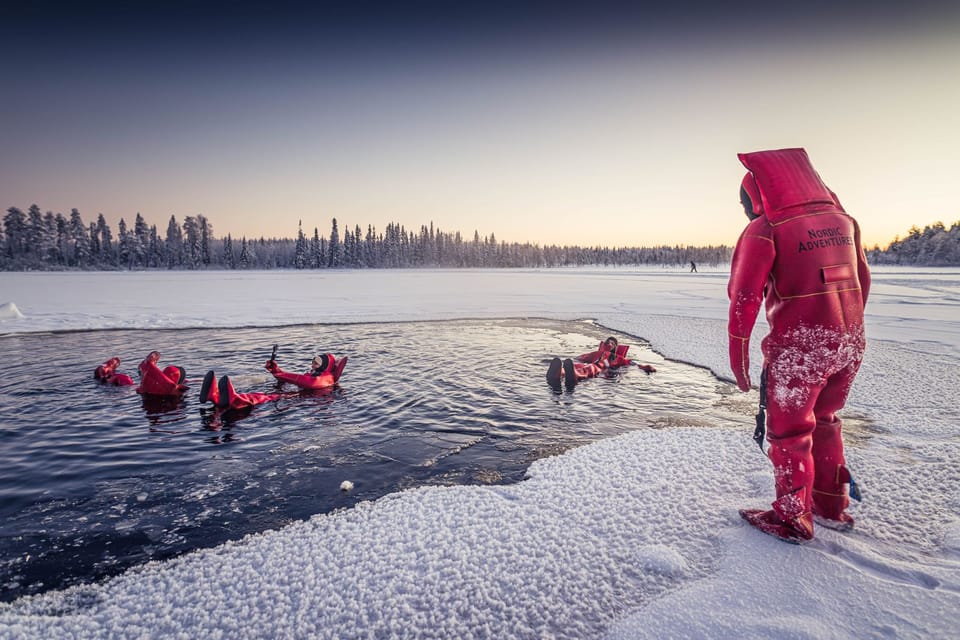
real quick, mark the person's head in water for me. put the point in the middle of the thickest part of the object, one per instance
(611, 344)
(320, 364)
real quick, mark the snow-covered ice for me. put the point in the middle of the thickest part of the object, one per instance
(631, 537)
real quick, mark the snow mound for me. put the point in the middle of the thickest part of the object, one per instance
(9, 311)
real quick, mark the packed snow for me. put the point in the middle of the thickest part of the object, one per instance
(634, 536)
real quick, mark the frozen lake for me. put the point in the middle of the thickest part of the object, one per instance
(635, 535)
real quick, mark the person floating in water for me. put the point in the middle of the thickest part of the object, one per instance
(325, 371)
(169, 381)
(609, 354)
(224, 396)
(107, 374)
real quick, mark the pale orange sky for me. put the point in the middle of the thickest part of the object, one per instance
(629, 144)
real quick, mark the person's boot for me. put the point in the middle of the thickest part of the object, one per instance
(844, 523)
(553, 372)
(788, 520)
(832, 478)
(569, 375)
(227, 393)
(208, 389)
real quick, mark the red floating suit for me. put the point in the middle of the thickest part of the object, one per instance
(327, 376)
(154, 382)
(589, 365)
(224, 396)
(107, 374)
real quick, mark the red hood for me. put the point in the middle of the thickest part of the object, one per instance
(788, 185)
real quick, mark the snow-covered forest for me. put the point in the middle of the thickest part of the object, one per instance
(935, 246)
(33, 240)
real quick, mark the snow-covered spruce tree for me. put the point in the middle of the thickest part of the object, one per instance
(334, 257)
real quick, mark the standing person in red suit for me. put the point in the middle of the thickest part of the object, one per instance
(802, 253)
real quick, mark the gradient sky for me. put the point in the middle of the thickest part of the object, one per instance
(593, 123)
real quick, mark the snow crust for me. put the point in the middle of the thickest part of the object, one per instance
(631, 537)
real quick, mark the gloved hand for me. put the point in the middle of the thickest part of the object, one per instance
(649, 368)
(271, 366)
(740, 361)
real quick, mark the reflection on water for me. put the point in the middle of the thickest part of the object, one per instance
(96, 479)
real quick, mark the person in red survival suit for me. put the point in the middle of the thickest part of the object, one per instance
(608, 355)
(325, 371)
(156, 382)
(802, 252)
(107, 374)
(224, 396)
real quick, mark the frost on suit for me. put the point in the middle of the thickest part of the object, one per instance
(803, 259)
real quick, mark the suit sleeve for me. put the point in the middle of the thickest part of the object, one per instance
(863, 270)
(749, 270)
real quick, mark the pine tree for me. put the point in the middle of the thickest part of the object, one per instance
(244, 255)
(125, 251)
(228, 259)
(300, 253)
(334, 258)
(79, 240)
(174, 244)
(14, 224)
(316, 260)
(106, 242)
(37, 239)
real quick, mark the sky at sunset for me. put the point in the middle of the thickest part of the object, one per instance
(554, 123)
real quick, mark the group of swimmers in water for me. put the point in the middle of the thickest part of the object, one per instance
(324, 373)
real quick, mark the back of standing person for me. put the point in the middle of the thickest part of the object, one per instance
(802, 252)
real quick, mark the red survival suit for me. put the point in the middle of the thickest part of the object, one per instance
(157, 382)
(321, 378)
(107, 374)
(803, 254)
(592, 364)
(224, 396)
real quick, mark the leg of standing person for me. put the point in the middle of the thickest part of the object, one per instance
(830, 498)
(790, 427)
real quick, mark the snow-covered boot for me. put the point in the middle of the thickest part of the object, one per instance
(788, 520)
(844, 523)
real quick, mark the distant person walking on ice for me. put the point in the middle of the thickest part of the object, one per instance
(802, 252)
(693, 267)
(608, 355)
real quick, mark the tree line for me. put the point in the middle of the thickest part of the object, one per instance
(33, 240)
(935, 246)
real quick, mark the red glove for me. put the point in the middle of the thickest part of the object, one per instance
(649, 368)
(271, 366)
(740, 361)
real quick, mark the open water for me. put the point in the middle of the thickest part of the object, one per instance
(96, 479)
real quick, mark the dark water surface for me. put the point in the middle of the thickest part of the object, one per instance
(94, 480)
